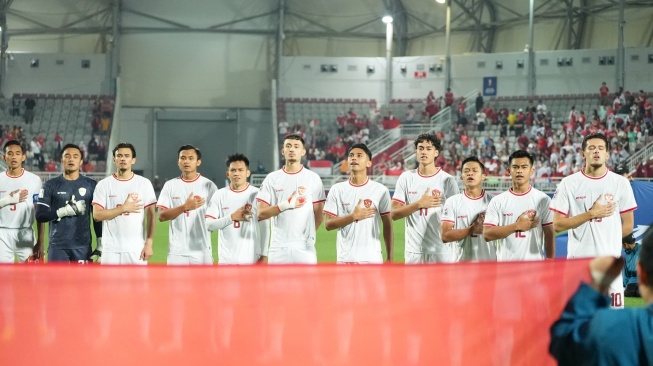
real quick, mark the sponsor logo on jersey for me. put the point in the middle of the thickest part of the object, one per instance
(62, 192)
(112, 196)
(278, 190)
(176, 198)
(507, 214)
(82, 191)
(609, 197)
(581, 197)
(225, 208)
(412, 192)
(461, 217)
(367, 203)
(3, 191)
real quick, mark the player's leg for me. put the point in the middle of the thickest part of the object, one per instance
(7, 245)
(413, 258)
(306, 255)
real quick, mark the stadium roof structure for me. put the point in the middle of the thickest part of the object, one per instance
(413, 19)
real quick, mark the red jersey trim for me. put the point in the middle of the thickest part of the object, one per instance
(547, 224)
(320, 201)
(97, 204)
(242, 190)
(472, 198)
(628, 210)
(453, 222)
(153, 203)
(488, 224)
(330, 213)
(21, 173)
(428, 176)
(162, 206)
(521, 194)
(261, 200)
(123, 180)
(190, 181)
(283, 168)
(211, 217)
(560, 212)
(597, 178)
(385, 213)
(398, 200)
(358, 185)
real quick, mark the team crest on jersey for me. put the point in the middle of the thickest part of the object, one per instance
(248, 207)
(367, 203)
(481, 216)
(609, 197)
(436, 193)
(531, 213)
(301, 190)
(134, 196)
(82, 191)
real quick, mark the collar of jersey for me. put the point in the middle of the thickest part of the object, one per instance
(594, 178)
(358, 185)
(429, 176)
(189, 181)
(242, 190)
(477, 198)
(521, 194)
(283, 168)
(123, 180)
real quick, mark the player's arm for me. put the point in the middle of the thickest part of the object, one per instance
(17, 196)
(333, 221)
(562, 222)
(317, 213)
(388, 237)
(627, 223)
(449, 234)
(191, 203)
(130, 206)
(150, 226)
(97, 229)
(523, 223)
(265, 211)
(549, 241)
(40, 233)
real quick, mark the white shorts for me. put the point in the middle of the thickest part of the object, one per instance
(122, 258)
(195, 258)
(424, 258)
(292, 255)
(16, 243)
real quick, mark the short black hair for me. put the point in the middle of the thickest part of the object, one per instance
(472, 159)
(521, 154)
(72, 146)
(429, 137)
(189, 147)
(237, 157)
(362, 147)
(124, 145)
(11, 143)
(646, 254)
(595, 135)
(294, 136)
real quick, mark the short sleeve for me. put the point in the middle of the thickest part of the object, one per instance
(266, 194)
(214, 210)
(100, 194)
(546, 215)
(627, 200)
(45, 194)
(449, 211)
(451, 188)
(331, 205)
(400, 189)
(560, 202)
(149, 197)
(165, 201)
(385, 205)
(212, 189)
(318, 190)
(492, 213)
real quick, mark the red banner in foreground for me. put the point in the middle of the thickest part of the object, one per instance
(457, 314)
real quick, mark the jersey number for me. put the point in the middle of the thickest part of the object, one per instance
(236, 224)
(616, 300)
(520, 234)
(423, 211)
(12, 207)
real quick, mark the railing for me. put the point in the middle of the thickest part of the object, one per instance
(641, 155)
(492, 184)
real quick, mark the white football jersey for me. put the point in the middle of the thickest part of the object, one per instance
(462, 210)
(576, 194)
(359, 241)
(423, 226)
(240, 242)
(19, 215)
(293, 227)
(187, 232)
(124, 233)
(504, 209)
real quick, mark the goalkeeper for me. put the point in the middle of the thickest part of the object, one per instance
(64, 203)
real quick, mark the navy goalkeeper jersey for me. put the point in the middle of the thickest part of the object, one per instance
(72, 231)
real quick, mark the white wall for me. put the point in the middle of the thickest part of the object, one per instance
(51, 77)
